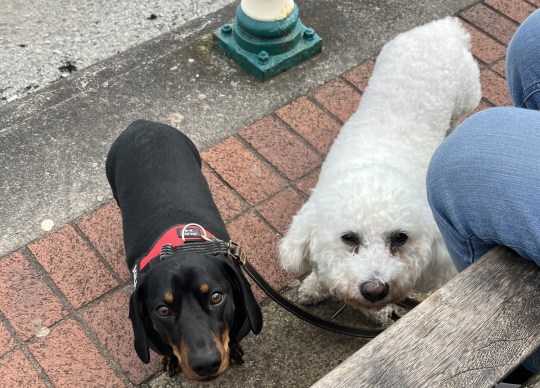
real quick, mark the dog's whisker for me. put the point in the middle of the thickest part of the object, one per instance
(341, 309)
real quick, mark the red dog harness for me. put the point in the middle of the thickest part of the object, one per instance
(175, 237)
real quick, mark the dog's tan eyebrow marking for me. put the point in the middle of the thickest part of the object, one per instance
(168, 297)
(203, 288)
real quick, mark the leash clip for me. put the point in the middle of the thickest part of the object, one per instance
(237, 252)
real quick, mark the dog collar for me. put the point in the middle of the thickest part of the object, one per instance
(173, 238)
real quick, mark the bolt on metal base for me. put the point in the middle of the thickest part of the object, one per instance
(265, 49)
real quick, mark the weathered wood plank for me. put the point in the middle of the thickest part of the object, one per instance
(533, 382)
(470, 333)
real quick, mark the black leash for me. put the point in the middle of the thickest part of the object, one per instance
(192, 239)
(240, 256)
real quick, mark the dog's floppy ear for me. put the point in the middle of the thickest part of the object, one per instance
(294, 246)
(244, 301)
(136, 313)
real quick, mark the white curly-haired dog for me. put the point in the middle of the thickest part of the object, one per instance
(367, 232)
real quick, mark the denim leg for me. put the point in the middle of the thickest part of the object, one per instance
(483, 186)
(523, 64)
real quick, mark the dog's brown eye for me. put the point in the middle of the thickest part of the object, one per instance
(216, 298)
(351, 239)
(399, 239)
(163, 311)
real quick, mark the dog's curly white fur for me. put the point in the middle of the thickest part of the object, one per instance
(367, 232)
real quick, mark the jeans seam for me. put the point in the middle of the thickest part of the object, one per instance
(527, 93)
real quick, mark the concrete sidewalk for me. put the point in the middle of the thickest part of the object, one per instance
(42, 41)
(64, 305)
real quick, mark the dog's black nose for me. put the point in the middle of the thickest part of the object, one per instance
(205, 365)
(374, 290)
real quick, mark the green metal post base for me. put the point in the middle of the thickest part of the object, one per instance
(265, 49)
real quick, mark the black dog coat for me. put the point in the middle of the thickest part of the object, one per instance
(193, 308)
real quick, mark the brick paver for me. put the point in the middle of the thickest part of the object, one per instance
(311, 122)
(277, 144)
(73, 266)
(308, 182)
(279, 210)
(260, 241)
(490, 21)
(241, 169)
(107, 320)
(63, 311)
(16, 372)
(339, 98)
(103, 228)
(359, 75)
(500, 67)
(483, 47)
(228, 202)
(70, 359)
(27, 301)
(7, 342)
(494, 88)
(515, 9)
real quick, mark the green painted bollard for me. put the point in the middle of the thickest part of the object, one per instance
(267, 37)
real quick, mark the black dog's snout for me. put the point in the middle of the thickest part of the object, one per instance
(374, 290)
(205, 365)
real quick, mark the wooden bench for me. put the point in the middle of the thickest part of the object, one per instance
(470, 333)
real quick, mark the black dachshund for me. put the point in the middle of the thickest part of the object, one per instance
(191, 302)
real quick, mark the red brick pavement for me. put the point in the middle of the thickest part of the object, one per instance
(63, 313)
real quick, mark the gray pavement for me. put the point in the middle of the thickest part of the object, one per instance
(42, 41)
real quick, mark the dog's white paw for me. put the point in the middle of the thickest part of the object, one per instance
(377, 317)
(311, 291)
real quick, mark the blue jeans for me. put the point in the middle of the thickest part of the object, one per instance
(483, 181)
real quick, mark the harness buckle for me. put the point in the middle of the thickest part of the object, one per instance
(238, 253)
